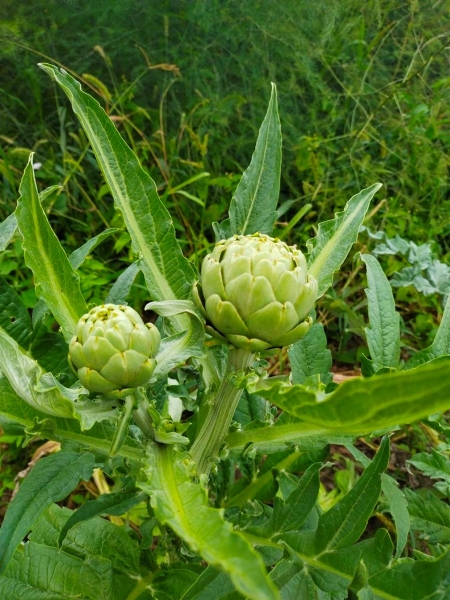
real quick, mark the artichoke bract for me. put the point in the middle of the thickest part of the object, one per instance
(255, 292)
(113, 350)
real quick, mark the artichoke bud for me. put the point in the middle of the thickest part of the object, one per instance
(255, 292)
(113, 351)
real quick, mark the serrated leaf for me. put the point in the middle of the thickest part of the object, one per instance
(250, 408)
(55, 280)
(429, 516)
(182, 504)
(310, 355)
(436, 466)
(360, 406)
(14, 317)
(120, 290)
(24, 375)
(50, 480)
(291, 513)
(7, 230)
(414, 580)
(334, 239)
(383, 336)
(212, 584)
(16, 415)
(284, 433)
(116, 504)
(43, 573)
(344, 523)
(440, 345)
(79, 255)
(95, 538)
(398, 505)
(177, 349)
(169, 275)
(254, 203)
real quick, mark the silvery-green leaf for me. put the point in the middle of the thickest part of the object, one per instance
(120, 290)
(7, 230)
(168, 274)
(254, 204)
(334, 239)
(383, 335)
(55, 280)
(176, 349)
(79, 255)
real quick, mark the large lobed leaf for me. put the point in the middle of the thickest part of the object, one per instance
(334, 239)
(440, 345)
(383, 336)
(182, 504)
(168, 274)
(55, 279)
(97, 561)
(50, 480)
(360, 406)
(254, 203)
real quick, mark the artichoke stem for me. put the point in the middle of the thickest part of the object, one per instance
(122, 428)
(143, 419)
(217, 421)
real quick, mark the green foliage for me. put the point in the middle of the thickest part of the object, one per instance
(171, 447)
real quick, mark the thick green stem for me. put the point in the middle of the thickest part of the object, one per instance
(220, 413)
(143, 419)
(122, 428)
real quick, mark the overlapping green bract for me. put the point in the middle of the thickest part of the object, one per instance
(113, 351)
(256, 292)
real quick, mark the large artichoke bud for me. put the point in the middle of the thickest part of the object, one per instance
(256, 293)
(113, 351)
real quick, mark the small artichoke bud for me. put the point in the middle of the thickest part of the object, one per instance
(113, 350)
(255, 292)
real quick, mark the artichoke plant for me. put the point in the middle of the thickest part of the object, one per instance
(255, 292)
(113, 350)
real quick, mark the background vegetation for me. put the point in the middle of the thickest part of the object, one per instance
(364, 92)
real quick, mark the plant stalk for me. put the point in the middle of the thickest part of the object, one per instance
(122, 428)
(217, 421)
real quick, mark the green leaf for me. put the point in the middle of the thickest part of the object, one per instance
(253, 206)
(43, 573)
(440, 345)
(175, 350)
(79, 255)
(334, 239)
(7, 230)
(116, 504)
(25, 375)
(396, 499)
(415, 580)
(168, 274)
(283, 434)
(120, 290)
(96, 537)
(344, 523)
(55, 280)
(50, 480)
(182, 504)
(430, 516)
(17, 416)
(289, 514)
(436, 466)
(383, 336)
(14, 317)
(310, 355)
(9, 226)
(50, 350)
(361, 406)
(212, 584)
